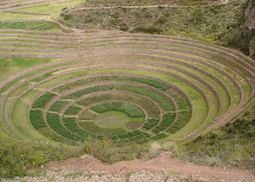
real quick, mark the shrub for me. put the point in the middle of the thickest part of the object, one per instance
(148, 29)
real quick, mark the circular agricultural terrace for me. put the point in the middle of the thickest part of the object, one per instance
(128, 88)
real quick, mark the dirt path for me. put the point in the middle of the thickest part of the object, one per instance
(219, 3)
(163, 163)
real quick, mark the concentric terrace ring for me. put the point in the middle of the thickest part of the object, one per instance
(128, 88)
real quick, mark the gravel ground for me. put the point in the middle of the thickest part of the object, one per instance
(124, 176)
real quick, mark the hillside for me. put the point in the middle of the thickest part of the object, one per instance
(229, 25)
(250, 24)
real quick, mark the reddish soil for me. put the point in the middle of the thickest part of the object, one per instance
(163, 163)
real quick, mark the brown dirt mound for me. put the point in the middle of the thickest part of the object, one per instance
(164, 163)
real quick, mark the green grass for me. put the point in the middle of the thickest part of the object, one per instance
(87, 115)
(181, 121)
(118, 87)
(52, 8)
(199, 104)
(216, 24)
(111, 119)
(41, 77)
(150, 123)
(88, 91)
(136, 136)
(150, 82)
(43, 100)
(233, 144)
(92, 100)
(148, 106)
(166, 121)
(58, 105)
(54, 122)
(71, 124)
(72, 110)
(164, 102)
(159, 136)
(94, 3)
(10, 66)
(15, 158)
(129, 109)
(40, 25)
(110, 131)
(93, 129)
(147, 81)
(36, 118)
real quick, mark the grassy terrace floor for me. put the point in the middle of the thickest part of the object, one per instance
(186, 83)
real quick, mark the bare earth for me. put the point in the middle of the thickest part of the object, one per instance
(164, 163)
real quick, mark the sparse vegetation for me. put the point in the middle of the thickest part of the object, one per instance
(233, 144)
(15, 159)
(217, 24)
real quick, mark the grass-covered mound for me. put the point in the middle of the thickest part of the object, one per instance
(233, 144)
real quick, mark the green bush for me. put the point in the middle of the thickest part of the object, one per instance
(238, 37)
(148, 29)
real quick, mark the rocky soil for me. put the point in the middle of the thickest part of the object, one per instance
(93, 176)
(159, 169)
